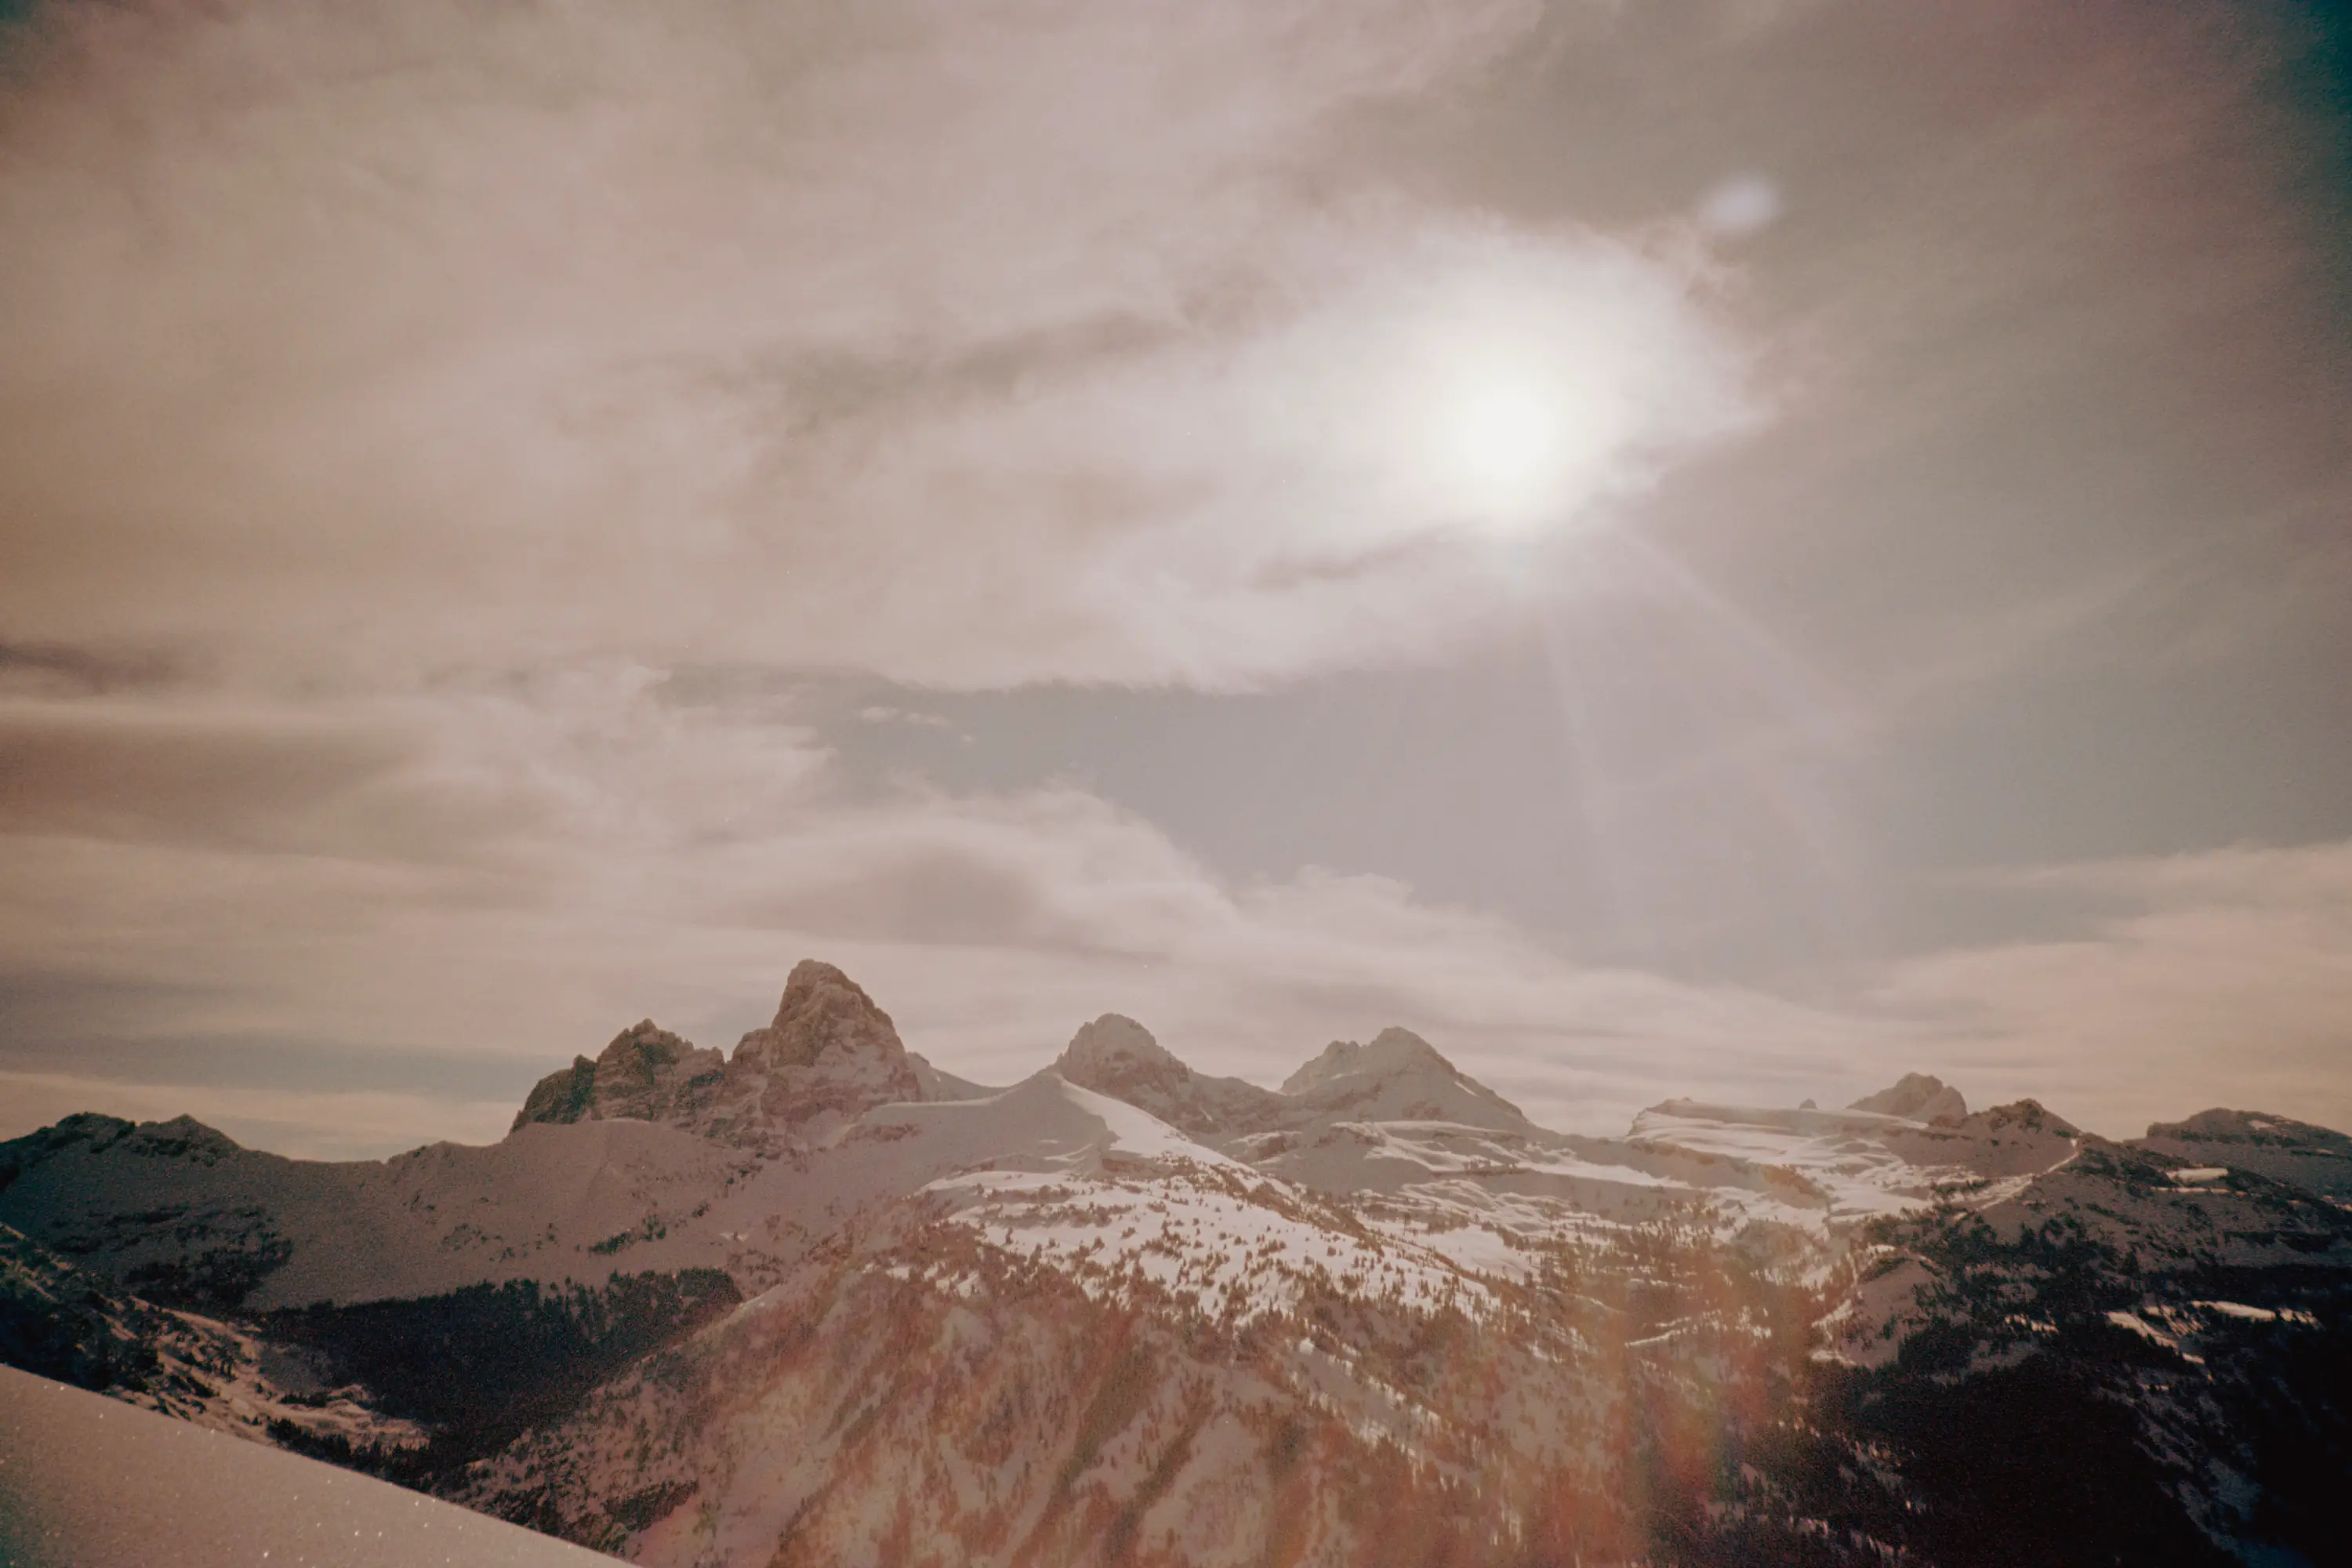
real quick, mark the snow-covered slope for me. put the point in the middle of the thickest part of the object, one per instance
(2174, 1339)
(1866, 1163)
(183, 1215)
(90, 1482)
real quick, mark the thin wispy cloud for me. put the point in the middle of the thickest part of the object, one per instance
(970, 345)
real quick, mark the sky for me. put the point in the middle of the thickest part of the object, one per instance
(1729, 548)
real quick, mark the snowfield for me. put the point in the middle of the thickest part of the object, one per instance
(87, 1482)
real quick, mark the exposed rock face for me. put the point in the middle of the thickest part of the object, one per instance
(1917, 1098)
(823, 1015)
(654, 1076)
(562, 1097)
(1117, 1056)
(830, 1055)
(646, 1073)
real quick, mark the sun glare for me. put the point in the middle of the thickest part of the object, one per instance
(1505, 440)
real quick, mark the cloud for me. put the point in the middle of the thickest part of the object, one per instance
(653, 856)
(125, 770)
(970, 345)
(610, 845)
(882, 713)
(2218, 978)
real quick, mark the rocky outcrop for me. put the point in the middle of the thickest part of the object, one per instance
(1915, 1097)
(646, 1074)
(652, 1075)
(1115, 1053)
(562, 1097)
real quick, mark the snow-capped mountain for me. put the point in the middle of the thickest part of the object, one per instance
(817, 1301)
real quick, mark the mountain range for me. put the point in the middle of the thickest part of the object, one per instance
(818, 1302)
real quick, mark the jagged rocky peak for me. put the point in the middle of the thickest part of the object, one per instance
(1114, 1052)
(823, 1013)
(646, 1073)
(652, 1075)
(1916, 1096)
(1392, 1053)
(565, 1095)
(830, 1048)
(830, 1054)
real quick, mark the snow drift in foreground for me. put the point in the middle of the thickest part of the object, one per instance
(91, 1482)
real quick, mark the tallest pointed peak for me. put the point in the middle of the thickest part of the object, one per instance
(814, 977)
(822, 1010)
(831, 1054)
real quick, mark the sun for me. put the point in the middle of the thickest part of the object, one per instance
(1504, 439)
